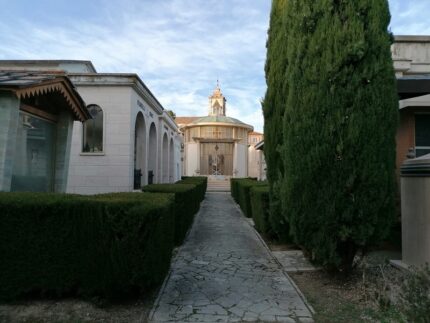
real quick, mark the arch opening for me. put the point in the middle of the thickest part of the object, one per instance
(139, 151)
(165, 161)
(172, 175)
(152, 154)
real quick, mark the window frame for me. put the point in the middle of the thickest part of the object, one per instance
(415, 135)
(92, 153)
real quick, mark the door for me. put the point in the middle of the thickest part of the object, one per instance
(216, 159)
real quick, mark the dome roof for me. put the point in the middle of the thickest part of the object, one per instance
(219, 119)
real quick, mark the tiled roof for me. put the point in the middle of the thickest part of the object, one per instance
(220, 119)
(185, 120)
(18, 79)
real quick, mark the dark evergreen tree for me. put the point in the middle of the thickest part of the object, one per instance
(339, 128)
(273, 110)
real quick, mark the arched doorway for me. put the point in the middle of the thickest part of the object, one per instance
(152, 154)
(165, 171)
(172, 176)
(139, 151)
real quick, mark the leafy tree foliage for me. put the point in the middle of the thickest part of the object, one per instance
(273, 109)
(339, 117)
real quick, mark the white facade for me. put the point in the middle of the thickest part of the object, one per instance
(215, 145)
(256, 162)
(411, 55)
(138, 134)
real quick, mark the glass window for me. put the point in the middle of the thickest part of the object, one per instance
(422, 134)
(93, 131)
(33, 166)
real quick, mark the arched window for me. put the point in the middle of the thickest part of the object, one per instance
(93, 131)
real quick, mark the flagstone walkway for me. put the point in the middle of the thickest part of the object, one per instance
(224, 273)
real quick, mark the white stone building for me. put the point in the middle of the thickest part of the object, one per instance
(215, 145)
(256, 162)
(129, 142)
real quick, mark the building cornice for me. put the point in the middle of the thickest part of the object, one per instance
(234, 125)
(118, 79)
(411, 39)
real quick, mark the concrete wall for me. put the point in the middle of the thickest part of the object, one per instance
(192, 161)
(9, 112)
(111, 170)
(415, 192)
(253, 162)
(411, 55)
(240, 160)
(256, 163)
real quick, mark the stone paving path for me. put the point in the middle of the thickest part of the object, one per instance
(294, 261)
(224, 273)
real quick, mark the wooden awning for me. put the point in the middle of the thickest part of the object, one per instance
(28, 84)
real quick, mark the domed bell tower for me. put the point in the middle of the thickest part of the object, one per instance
(217, 102)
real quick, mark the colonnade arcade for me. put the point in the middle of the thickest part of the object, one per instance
(146, 152)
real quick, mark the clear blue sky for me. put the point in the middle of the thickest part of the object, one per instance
(178, 47)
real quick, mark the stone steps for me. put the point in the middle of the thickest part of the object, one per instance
(218, 186)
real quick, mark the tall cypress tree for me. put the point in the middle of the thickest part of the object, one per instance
(273, 110)
(339, 128)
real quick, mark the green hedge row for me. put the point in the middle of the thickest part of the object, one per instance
(111, 245)
(187, 202)
(240, 190)
(260, 208)
(253, 198)
(233, 188)
(189, 192)
(200, 181)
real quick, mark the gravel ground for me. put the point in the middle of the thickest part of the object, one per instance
(370, 294)
(75, 310)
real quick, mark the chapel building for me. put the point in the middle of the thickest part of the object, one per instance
(215, 145)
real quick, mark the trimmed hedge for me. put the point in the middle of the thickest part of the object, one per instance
(233, 188)
(187, 203)
(260, 208)
(200, 181)
(195, 178)
(111, 246)
(243, 197)
(240, 191)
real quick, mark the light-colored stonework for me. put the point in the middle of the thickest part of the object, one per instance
(294, 261)
(224, 273)
(138, 134)
(215, 145)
